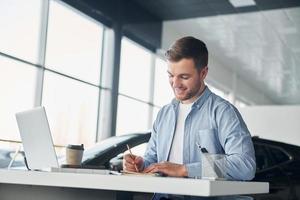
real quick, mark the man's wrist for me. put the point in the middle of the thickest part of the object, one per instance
(184, 172)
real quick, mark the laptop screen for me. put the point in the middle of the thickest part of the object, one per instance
(36, 138)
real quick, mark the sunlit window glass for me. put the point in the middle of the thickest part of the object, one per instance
(132, 116)
(20, 24)
(17, 89)
(74, 43)
(71, 107)
(135, 70)
(163, 93)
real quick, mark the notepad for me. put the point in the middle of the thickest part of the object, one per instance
(81, 170)
(139, 173)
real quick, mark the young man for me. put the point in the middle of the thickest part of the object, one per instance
(195, 116)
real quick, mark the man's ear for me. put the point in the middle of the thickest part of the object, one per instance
(203, 72)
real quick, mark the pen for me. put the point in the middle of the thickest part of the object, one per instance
(132, 157)
(203, 150)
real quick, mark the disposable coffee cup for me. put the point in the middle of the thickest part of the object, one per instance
(74, 154)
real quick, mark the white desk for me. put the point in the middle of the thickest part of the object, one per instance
(11, 180)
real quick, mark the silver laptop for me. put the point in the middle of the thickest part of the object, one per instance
(38, 145)
(36, 138)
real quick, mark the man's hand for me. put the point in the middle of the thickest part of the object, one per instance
(167, 168)
(130, 161)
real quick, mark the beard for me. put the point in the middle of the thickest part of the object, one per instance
(189, 93)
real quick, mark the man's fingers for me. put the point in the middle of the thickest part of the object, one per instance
(129, 158)
(167, 168)
(138, 159)
(152, 168)
(132, 163)
(129, 167)
(148, 169)
(158, 167)
(133, 159)
(129, 164)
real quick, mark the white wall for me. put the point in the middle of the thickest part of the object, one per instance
(219, 74)
(280, 123)
(225, 78)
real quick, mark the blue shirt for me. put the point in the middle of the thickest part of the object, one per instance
(213, 123)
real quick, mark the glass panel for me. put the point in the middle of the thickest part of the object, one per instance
(72, 108)
(163, 93)
(17, 89)
(135, 70)
(132, 116)
(74, 43)
(20, 24)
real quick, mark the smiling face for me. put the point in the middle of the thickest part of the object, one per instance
(186, 80)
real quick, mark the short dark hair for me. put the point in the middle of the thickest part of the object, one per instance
(188, 47)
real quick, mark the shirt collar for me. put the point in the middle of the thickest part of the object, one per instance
(198, 103)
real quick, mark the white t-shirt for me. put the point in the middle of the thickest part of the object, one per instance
(176, 153)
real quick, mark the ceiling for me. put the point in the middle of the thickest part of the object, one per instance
(260, 43)
(183, 9)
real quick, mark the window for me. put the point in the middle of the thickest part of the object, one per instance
(20, 23)
(74, 46)
(135, 70)
(72, 108)
(74, 43)
(17, 89)
(132, 116)
(134, 88)
(163, 93)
